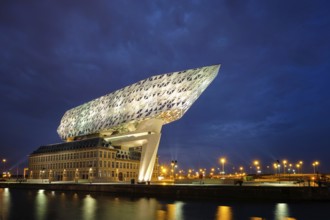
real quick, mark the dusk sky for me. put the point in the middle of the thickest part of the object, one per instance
(270, 100)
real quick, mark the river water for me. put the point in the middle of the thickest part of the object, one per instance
(41, 204)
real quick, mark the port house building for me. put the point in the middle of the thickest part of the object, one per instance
(116, 137)
(91, 159)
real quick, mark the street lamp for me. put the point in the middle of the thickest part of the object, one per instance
(241, 169)
(212, 172)
(290, 167)
(3, 169)
(223, 161)
(174, 165)
(256, 164)
(301, 163)
(298, 166)
(315, 164)
(284, 165)
(275, 168)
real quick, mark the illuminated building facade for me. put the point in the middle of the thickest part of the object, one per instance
(90, 159)
(132, 117)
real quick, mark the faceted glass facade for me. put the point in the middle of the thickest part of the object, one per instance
(166, 97)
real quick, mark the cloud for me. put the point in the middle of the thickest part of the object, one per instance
(271, 90)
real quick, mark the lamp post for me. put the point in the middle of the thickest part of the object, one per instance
(284, 165)
(256, 164)
(223, 161)
(212, 172)
(298, 167)
(275, 168)
(315, 164)
(301, 163)
(174, 165)
(4, 162)
(241, 169)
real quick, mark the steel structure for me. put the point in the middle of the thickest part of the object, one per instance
(141, 107)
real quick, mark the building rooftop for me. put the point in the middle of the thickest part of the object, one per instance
(75, 145)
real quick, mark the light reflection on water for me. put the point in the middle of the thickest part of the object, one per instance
(41, 204)
(224, 213)
(281, 211)
(89, 207)
(4, 203)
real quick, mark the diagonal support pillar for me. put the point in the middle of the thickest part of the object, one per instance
(149, 148)
(148, 157)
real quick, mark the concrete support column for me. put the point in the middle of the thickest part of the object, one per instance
(148, 157)
(149, 148)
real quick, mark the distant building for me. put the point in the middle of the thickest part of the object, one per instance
(116, 137)
(90, 159)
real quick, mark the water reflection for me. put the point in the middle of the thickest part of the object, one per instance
(41, 204)
(32, 204)
(282, 212)
(89, 207)
(224, 213)
(4, 203)
(172, 211)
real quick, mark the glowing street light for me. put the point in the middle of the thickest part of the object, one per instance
(315, 164)
(212, 172)
(290, 167)
(284, 165)
(298, 167)
(223, 161)
(174, 165)
(301, 163)
(275, 165)
(256, 164)
(241, 169)
(3, 169)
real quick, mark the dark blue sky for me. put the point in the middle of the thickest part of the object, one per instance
(271, 99)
